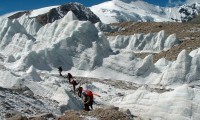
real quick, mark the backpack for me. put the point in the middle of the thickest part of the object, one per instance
(90, 94)
(60, 68)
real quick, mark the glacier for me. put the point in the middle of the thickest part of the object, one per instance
(30, 55)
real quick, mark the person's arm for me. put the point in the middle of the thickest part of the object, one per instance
(88, 100)
(83, 98)
(77, 83)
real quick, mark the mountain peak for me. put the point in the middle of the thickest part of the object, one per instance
(81, 12)
(117, 11)
(55, 13)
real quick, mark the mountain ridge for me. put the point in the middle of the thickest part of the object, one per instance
(81, 12)
(116, 11)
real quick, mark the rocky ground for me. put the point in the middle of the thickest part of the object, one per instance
(107, 113)
(195, 20)
(22, 101)
(182, 30)
(187, 33)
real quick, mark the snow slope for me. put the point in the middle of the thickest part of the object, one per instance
(115, 11)
(33, 13)
(40, 11)
(7, 15)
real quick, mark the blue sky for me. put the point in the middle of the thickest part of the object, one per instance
(7, 6)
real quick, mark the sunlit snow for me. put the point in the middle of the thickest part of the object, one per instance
(116, 11)
(30, 57)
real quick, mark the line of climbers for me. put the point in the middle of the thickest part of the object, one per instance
(86, 95)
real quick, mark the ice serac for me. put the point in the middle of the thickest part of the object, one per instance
(162, 64)
(133, 67)
(177, 104)
(194, 75)
(19, 44)
(31, 25)
(13, 37)
(33, 75)
(146, 66)
(9, 79)
(8, 30)
(152, 42)
(179, 69)
(184, 70)
(67, 42)
(70, 16)
(195, 52)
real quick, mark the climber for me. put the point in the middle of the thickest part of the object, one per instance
(86, 101)
(90, 94)
(60, 70)
(69, 76)
(74, 83)
(80, 90)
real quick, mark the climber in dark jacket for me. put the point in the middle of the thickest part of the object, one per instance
(80, 90)
(69, 76)
(86, 101)
(74, 83)
(60, 70)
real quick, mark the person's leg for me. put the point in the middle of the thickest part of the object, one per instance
(91, 103)
(74, 87)
(86, 107)
(79, 93)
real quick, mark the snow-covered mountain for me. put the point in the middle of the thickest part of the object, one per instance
(52, 13)
(30, 54)
(115, 11)
(189, 11)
